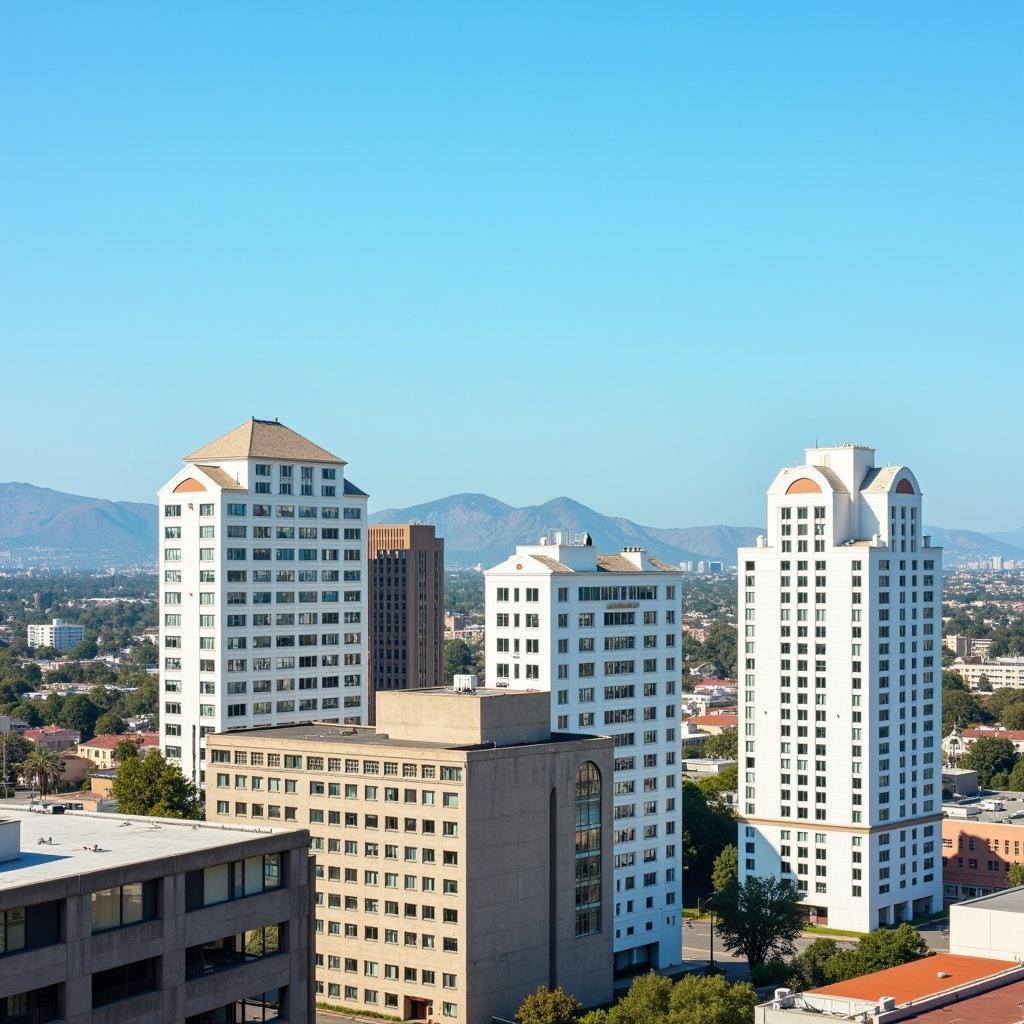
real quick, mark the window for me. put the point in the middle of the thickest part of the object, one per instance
(124, 905)
(588, 849)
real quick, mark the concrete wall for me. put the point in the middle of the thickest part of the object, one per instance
(977, 930)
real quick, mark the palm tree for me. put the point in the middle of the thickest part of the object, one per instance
(44, 767)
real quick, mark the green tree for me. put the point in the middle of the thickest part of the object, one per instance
(14, 749)
(547, 1007)
(151, 785)
(78, 712)
(708, 827)
(1016, 779)
(1015, 876)
(963, 709)
(877, 951)
(646, 1002)
(810, 968)
(82, 651)
(726, 868)
(110, 723)
(990, 757)
(725, 744)
(759, 917)
(697, 999)
(43, 767)
(459, 659)
(126, 749)
(714, 787)
(1013, 716)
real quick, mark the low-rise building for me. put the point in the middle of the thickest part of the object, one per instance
(997, 672)
(939, 989)
(53, 737)
(107, 918)
(100, 749)
(979, 847)
(959, 740)
(715, 722)
(989, 926)
(463, 849)
(59, 635)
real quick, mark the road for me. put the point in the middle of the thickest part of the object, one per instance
(696, 946)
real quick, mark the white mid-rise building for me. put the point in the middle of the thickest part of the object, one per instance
(59, 635)
(601, 633)
(840, 692)
(262, 590)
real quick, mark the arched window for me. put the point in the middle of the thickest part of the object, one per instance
(588, 849)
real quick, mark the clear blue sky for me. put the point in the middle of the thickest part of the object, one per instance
(639, 254)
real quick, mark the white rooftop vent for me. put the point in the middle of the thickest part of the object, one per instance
(942, 974)
(782, 993)
(886, 1004)
(464, 684)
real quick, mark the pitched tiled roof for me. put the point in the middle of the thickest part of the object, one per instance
(551, 563)
(222, 478)
(263, 439)
(109, 741)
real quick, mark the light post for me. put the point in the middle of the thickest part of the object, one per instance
(707, 902)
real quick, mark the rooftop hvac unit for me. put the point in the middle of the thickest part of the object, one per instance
(464, 684)
(886, 1003)
(782, 993)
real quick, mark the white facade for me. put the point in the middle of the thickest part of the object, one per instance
(840, 692)
(59, 635)
(262, 590)
(999, 672)
(601, 633)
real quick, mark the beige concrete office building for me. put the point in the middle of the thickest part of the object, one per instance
(463, 850)
(111, 919)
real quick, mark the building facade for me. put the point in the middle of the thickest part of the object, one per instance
(977, 853)
(107, 918)
(840, 615)
(463, 852)
(600, 633)
(262, 589)
(59, 635)
(406, 617)
(994, 674)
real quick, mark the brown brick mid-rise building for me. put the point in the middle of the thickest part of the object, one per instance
(463, 851)
(977, 854)
(406, 629)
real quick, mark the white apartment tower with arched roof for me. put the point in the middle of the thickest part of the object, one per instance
(262, 568)
(840, 620)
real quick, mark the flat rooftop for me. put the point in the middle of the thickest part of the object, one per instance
(366, 735)
(1007, 899)
(1000, 1006)
(1014, 804)
(122, 839)
(918, 979)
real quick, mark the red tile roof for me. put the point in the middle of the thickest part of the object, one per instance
(984, 732)
(45, 730)
(918, 979)
(1000, 1006)
(725, 720)
(109, 741)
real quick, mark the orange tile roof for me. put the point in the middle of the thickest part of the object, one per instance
(108, 741)
(917, 979)
(725, 720)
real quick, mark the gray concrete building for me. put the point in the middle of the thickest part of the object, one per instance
(108, 918)
(463, 849)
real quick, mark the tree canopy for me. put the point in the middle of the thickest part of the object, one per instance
(993, 759)
(759, 917)
(724, 744)
(826, 961)
(693, 999)
(548, 1007)
(153, 786)
(726, 868)
(708, 827)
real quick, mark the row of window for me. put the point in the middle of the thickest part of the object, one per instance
(349, 765)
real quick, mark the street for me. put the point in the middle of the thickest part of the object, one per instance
(697, 936)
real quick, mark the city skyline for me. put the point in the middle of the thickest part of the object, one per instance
(775, 215)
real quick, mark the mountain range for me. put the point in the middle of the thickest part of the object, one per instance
(46, 528)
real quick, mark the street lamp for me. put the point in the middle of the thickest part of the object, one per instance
(707, 902)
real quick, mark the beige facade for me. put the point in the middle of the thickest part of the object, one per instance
(111, 919)
(405, 563)
(463, 851)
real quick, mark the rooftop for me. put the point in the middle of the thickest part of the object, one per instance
(918, 979)
(109, 741)
(1007, 899)
(263, 439)
(999, 1006)
(122, 840)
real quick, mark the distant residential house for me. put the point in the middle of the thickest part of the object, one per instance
(8, 723)
(53, 737)
(100, 749)
(715, 722)
(960, 740)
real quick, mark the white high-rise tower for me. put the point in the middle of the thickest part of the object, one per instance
(262, 589)
(840, 620)
(601, 633)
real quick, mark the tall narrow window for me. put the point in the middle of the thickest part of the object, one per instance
(588, 849)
